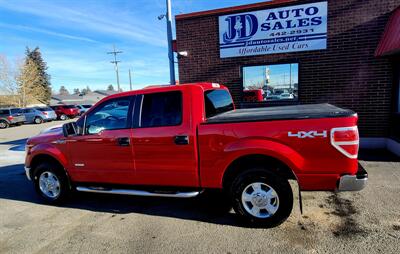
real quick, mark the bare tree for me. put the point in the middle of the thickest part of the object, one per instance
(8, 85)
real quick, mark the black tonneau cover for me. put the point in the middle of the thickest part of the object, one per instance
(309, 111)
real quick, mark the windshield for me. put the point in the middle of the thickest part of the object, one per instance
(69, 106)
(217, 102)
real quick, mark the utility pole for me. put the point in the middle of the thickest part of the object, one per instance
(169, 37)
(130, 80)
(114, 52)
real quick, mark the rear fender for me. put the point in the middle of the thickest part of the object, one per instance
(269, 148)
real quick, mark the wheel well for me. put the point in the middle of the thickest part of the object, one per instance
(44, 158)
(244, 163)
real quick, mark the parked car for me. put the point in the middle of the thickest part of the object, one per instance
(284, 96)
(83, 108)
(39, 115)
(177, 141)
(254, 95)
(11, 116)
(49, 113)
(65, 111)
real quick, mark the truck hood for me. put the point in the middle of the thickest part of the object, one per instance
(46, 136)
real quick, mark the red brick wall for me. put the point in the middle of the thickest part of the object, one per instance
(345, 74)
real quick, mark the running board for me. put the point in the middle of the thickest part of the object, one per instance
(177, 194)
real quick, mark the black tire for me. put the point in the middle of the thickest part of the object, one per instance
(54, 169)
(38, 120)
(63, 117)
(281, 187)
(4, 124)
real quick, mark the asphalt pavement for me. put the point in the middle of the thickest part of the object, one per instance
(359, 222)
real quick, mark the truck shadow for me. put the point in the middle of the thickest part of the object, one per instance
(382, 155)
(205, 208)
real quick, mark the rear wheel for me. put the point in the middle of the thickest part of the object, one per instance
(262, 198)
(51, 183)
(38, 120)
(63, 117)
(3, 124)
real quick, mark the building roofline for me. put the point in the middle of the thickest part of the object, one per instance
(238, 8)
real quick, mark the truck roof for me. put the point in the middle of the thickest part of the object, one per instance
(164, 88)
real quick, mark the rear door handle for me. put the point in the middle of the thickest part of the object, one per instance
(182, 140)
(124, 141)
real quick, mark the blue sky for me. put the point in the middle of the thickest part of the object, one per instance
(74, 37)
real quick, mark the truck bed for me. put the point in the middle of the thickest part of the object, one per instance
(309, 111)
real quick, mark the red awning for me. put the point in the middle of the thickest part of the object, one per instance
(390, 41)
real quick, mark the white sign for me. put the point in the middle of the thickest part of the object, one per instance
(285, 29)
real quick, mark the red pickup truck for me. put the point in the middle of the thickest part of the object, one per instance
(176, 141)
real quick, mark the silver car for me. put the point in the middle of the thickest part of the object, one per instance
(83, 108)
(11, 116)
(39, 115)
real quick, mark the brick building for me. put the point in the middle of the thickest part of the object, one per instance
(329, 53)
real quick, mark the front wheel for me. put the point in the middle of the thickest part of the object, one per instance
(262, 198)
(63, 117)
(51, 183)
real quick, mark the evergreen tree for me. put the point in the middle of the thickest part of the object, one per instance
(64, 91)
(86, 90)
(37, 86)
(110, 88)
(76, 91)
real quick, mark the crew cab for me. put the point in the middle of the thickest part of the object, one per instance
(177, 141)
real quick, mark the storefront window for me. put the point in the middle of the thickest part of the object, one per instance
(270, 82)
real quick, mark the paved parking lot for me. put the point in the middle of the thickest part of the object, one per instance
(363, 222)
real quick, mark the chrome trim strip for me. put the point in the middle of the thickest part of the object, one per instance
(139, 192)
(352, 183)
(28, 173)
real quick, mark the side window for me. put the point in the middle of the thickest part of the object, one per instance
(110, 115)
(161, 109)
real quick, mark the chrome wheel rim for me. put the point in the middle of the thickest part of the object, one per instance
(63, 117)
(37, 120)
(2, 125)
(49, 185)
(260, 200)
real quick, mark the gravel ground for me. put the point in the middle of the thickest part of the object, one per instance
(361, 222)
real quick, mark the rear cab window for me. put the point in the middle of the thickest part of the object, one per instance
(217, 101)
(161, 109)
(4, 111)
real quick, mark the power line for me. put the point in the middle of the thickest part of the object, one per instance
(114, 52)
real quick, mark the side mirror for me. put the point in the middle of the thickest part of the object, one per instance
(70, 129)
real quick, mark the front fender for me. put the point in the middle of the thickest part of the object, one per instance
(46, 149)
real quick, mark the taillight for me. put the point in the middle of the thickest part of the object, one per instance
(346, 140)
(10, 118)
(44, 113)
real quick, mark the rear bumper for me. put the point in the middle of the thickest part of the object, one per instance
(355, 182)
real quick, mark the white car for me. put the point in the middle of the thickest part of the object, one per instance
(286, 96)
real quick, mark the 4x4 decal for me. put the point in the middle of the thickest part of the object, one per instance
(308, 134)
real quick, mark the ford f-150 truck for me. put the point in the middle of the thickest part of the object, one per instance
(176, 141)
